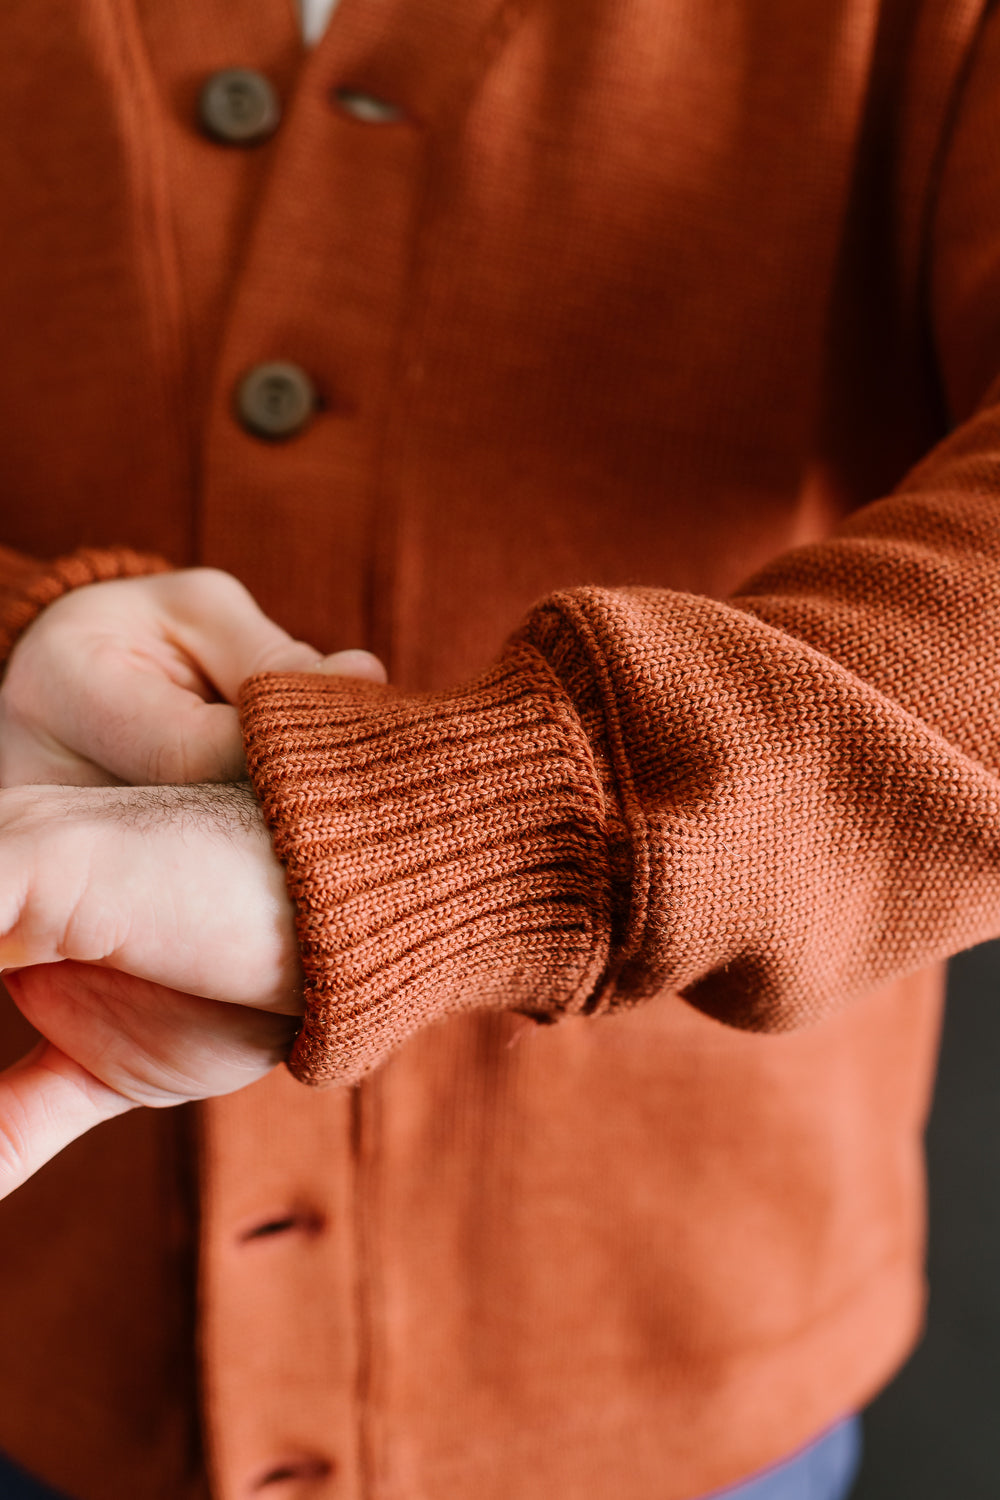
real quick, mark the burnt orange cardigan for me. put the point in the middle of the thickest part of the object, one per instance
(619, 306)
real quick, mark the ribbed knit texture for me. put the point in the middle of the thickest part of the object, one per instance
(766, 806)
(624, 303)
(443, 852)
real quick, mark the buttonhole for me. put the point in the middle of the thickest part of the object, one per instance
(367, 108)
(304, 1223)
(295, 1468)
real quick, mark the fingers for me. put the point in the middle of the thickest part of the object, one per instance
(142, 729)
(148, 1043)
(151, 732)
(352, 664)
(120, 682)
(30, 759)
(224, 629)
(46, 1101)
(160, 1047)
(147, 731)
(113, 1042)
(168, 735)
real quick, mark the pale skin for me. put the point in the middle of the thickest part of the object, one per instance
(145, 926)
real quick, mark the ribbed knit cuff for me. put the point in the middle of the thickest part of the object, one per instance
(445, 852)
(24, 599)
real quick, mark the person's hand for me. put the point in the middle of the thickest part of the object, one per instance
(132, 681)
(163, 953)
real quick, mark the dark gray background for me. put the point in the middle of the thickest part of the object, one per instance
(935, 1433)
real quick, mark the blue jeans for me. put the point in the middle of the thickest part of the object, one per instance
(823, 1471)
(826, 1470)
(15, 1484)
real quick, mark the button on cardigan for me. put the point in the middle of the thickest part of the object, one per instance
(658, 453)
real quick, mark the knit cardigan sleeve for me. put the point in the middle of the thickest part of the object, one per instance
(767, 805)
(28, 585)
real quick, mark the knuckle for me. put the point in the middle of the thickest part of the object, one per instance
(13, 1150)
(282, 654)
(215, 581)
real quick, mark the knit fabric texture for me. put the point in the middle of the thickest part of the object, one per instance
(623, 305)
(764, 805)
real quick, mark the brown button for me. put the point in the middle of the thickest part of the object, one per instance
(275, 400)
(238, 107)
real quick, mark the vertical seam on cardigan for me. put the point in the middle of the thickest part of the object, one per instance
(156, 245)
(493, 38)
(365, 1119)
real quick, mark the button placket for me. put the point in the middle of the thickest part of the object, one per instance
(277, 1275)
(323, 276)
(285, 1226)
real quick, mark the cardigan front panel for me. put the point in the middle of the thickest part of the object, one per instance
(569, 320)
(478, 350)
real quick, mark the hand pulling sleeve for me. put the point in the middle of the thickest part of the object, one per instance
(27, 586)
(767, 805)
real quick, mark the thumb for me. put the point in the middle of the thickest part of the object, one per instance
(224, 630)
(46, 1101)
(295, 656)
(351, 664)
(173, 736)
